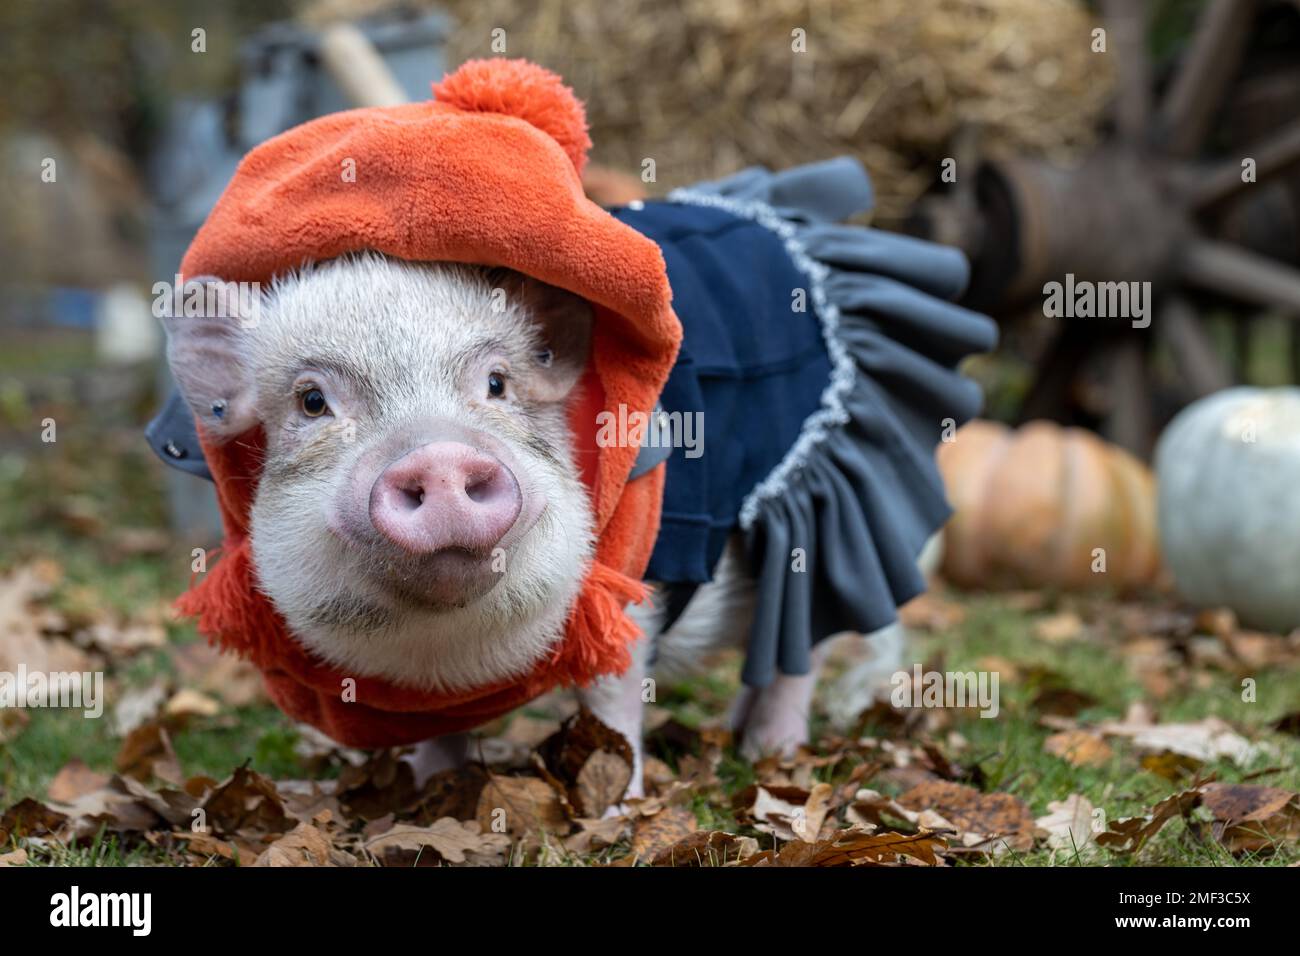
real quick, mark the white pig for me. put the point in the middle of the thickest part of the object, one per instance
(419, 517)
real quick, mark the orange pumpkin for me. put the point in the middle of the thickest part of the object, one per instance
(1033, 505)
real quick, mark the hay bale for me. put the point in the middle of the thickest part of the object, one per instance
(705, 87)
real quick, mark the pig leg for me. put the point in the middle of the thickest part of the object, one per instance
(618, 701)
(774, 719)
(448, 752)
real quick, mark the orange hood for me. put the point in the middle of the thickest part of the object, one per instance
(487, 173)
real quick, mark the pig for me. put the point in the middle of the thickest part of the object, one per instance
(419, 516)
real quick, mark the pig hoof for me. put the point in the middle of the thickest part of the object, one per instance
(778, 738)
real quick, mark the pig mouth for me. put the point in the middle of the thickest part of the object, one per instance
(443, 581)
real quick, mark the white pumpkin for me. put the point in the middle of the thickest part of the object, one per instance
(1228, 490)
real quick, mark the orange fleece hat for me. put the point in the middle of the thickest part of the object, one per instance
(487, 173)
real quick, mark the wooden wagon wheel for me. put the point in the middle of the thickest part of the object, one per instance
(1144, 206)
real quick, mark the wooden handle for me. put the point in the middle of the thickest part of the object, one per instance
(356, 66)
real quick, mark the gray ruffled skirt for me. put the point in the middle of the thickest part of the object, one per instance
(859, 491)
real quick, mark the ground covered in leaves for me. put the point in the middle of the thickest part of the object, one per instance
(1129, 732)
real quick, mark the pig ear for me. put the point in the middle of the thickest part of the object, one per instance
(208, 350)
(564, 321)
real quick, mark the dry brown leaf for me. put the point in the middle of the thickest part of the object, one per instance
(122, 640)
(147, 752)
(929, 611)
(790, 813)
(1173, 767)
(1059, 628)
(247, 801)
(29, 817)
(137, 707)
(383, 784)
(986, 821)
(707, 848)
(21, 641)
(591, 761)
(1069, 826)
(235, 682)
(1079, 748)
(1128, 835)
(1219, 621)
(75, 780)
(449, 840)
(115, 807)
(1205, 740)
(651, 835)
(522, 806)
(597, 834)
(305, 799)
(855, 847)
(188, 702)
(305, 845)
(1250, 819)
(1256, 651)
(601, 782)
(17, 858)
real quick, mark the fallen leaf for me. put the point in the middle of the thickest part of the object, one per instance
(75, 780)
(138, 707)
(523, 806)
(1219, 621)
(591, 761)
(707, 848)
(597, 834)
(188, 702)
(304, 845)
(246, 801)
(1059, 628)
(230, 679)
(1206, 740)
(1069, 826)
(29, 817)
(205, 847)
(1128, 835)
(929, 611)
(17, 858)
(122, 640)
(855, 848)
(383, 784)
(147, 752)
(1250, 819)
(1079, 748)
(984, 821)
(1173, 767)
(451, 840)
(653, 834)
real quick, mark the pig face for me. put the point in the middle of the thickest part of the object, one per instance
(419, 517)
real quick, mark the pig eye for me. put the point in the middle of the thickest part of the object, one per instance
(313, 403)
(496, 384)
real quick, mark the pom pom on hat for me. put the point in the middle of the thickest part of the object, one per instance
(524, 90)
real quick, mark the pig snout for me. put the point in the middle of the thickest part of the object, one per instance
(445, 496)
